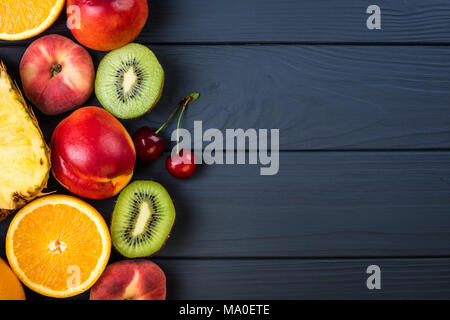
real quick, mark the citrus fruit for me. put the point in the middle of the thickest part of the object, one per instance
(10, 287)
(58, 246)
(25, 19)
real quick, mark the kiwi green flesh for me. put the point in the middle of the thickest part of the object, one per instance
(142, 219)
(129, 81)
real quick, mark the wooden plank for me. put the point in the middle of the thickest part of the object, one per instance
(263, 21)
(306, 279)
(260, 21)
(191, 279)
(321, 204)
(320, 97)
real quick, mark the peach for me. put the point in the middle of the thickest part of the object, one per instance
(92, 154)
(106, 24)
(57, 74)
(131, 280)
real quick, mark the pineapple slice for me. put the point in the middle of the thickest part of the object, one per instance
(24, 155)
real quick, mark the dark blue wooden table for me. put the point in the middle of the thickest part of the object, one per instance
(364, 119)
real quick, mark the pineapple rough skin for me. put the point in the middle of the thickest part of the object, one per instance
(4, 213)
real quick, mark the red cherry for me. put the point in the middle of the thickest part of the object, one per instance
(149, 145)
(181, 166)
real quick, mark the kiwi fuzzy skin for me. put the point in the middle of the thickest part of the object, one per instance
(162, 244)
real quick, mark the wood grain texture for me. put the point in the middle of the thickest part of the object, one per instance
(290, 21)
(321, 204)
(289, 279)
(260, 21)
(306, 279)
(320, 97)
(312, 230)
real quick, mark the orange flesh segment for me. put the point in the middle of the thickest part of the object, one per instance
(22, 19)
(18, 16)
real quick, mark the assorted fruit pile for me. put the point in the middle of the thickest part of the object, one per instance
(58, 245)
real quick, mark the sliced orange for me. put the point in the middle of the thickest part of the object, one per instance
(21, 19)
(58, 246)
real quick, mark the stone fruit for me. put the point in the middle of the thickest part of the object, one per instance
(24, 155)
(129, 81)
(149, 145)
(142, 219)
(93, 155)
(57, 74)
(131, 280)
(182, 165)
(10, 286)
(106, 24)
(58, 246)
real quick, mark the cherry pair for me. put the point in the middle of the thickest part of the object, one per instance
(150, 145)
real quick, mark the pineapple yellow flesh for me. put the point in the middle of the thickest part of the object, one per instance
(24, 155)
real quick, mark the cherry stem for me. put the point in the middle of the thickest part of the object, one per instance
(184, 103)
(190, 98)
(168, 119)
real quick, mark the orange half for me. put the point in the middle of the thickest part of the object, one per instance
(58, 246)
(24, 19)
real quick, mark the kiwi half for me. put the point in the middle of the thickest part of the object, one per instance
(129, 81)
(142, 219)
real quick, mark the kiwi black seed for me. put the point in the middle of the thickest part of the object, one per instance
(142, 219)
(129, 81)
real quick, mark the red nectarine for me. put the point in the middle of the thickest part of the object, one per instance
(131, 280)
(92, 154)
(106, 24)
(57, 74)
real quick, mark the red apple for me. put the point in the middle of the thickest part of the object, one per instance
(57, 74)
(92, 154)
(130, 280)
(106, 24)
